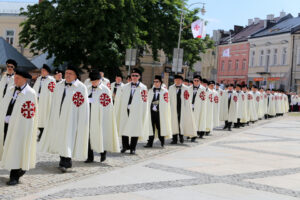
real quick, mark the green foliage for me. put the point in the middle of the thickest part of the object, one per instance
(97, 32)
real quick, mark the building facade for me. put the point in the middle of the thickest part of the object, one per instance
(271, 55)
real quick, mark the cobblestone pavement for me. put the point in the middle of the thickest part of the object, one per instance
(46, 174)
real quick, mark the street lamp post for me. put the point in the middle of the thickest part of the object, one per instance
(180, 29)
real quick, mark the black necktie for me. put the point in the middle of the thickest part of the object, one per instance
(64, 94)
(41, 84)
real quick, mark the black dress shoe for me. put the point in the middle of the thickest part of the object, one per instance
(173, 142)
(103, 156)
(193, 139)
(132, 151)
(12, 182)
(123, 150)
(88, 161)
(181, 140)
(148, 146)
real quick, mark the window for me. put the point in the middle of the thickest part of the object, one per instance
(252, 58)
(261, 58)
(275, 57)
(244, 64)
(237, 65)
(298, 56)
(229, 65)
(9, 35)
(222, 66)
(284, 52)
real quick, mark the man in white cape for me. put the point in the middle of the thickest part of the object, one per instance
(210, 107)
(7, 79)
(67, 132)
(18, 128)
(103, 135)
(160, 110)
(240, 107)
(271, 112)
(199, 101)
(181, 111)
(133, 113)
(245, 118)
(216, 97)
(44, 88)
(230, 107)
(115, 87)
(252, 113)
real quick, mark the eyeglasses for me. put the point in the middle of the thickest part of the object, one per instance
(135, 75)
(10, 66)
(196, 80)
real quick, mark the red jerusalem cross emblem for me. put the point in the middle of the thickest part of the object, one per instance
(216, 99)
(210, 98)
(249, 97)
(202, 95)
(196, 28)
(235, 98)
(186, 95)
(28, 109)
(78, 99)
(104, 100)
(144, 95)
(166, 97)
(243, 97)
(221, 93)
(51, 86)
(257, 98)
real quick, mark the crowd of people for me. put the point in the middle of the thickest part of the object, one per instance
(75, 120)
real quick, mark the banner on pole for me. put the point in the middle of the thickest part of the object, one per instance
(198, 29)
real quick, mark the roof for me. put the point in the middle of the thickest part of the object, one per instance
(39, 60)
(286, 25)
(9, 52)
(9, 7)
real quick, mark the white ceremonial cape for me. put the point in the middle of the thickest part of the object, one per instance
(187, 123)
(232, 112)
(115, 97)
(200, 107)
(243, 107)
(261, 106)
(19, 150)
(5, 80)
(240, 107)
(271, 105)
(67, 132)
(256, 98)
(252, 112)
(136, 124)
(103, 126)
(210, 110)
(216, 115)
(44, 99)
(164, 113)
(223, 103)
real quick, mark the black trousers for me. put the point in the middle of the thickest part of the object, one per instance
(65, 162)
(41, 133)
(175, 136)
(90, 152)
(133, 142)
(15, 174)
(155, 124)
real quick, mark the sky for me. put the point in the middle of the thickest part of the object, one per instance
(224, 14)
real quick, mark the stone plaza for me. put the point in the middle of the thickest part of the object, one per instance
(261, 161)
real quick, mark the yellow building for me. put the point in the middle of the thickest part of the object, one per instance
(10, 24)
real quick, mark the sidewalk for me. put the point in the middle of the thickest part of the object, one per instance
(261, 162)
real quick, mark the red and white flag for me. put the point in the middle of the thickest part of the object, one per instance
(198, 29)
(226, 52)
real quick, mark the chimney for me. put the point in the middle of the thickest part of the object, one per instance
(256, 20)
(270, 17)
(268, 23)
(282, 14)
(238, 29)
(250, 21)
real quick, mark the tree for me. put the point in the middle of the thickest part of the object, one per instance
(97, 33)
